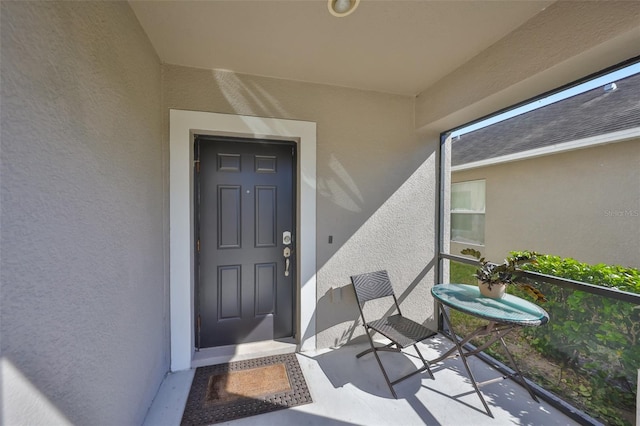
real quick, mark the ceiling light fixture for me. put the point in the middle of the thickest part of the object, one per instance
(342, 8)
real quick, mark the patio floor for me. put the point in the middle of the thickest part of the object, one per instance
(350, 391)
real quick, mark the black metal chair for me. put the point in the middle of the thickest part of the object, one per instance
(402, 331)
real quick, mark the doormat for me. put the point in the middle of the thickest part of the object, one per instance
(224, 392)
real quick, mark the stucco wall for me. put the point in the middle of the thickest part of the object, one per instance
(565, 42)
(375, 182)
(83, 237)
(583, 204)
(83, 308)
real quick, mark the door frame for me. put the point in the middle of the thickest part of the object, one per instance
(183, 125)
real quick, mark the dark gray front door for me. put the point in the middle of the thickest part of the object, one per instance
(244, 205)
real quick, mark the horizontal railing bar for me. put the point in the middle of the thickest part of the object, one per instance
(459, 259)
(611, 293)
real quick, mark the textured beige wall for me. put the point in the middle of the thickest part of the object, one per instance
(583, 204)
(84, 169)
(375, 181)
(565, 42)
(83, 326)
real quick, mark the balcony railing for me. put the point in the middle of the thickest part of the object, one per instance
(587, 356)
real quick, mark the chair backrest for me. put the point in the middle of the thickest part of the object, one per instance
(372, 285)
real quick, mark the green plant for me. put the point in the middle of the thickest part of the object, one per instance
(491, 274)
(592, 334)
(589, 353)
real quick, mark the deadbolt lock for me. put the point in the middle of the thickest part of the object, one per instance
(286, 237)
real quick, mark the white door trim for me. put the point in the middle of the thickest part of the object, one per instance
(182, 126)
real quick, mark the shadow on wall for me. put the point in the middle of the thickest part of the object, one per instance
(375, 177)
(399, 237)
(367, 143)
(340, 188)
(24, 398)
(248, 97)
(356, 187)
(341, 301)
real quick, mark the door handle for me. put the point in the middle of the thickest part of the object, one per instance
(287, 254)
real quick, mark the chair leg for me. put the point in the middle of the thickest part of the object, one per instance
(375, 353)
(424, 361)
(383, 348)
(384, 373)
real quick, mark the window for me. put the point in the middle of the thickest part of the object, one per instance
(467, 212)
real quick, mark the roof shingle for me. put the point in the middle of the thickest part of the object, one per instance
(591, 113)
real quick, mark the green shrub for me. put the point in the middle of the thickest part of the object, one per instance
(591, 333)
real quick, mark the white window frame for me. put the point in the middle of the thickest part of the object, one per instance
(480, 210)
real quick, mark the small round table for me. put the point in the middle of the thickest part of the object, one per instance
(503, 316)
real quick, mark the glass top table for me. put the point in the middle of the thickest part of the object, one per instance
(502, 315)
(510, 309)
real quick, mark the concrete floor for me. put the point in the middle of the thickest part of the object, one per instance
(347, 391)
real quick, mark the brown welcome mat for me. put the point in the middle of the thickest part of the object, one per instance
(230, 391)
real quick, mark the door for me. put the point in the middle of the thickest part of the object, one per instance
(244, 240)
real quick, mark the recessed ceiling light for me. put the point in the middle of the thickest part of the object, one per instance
(342, 8)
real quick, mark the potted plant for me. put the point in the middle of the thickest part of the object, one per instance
(493, 278)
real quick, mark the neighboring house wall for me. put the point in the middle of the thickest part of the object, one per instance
(583, 204)
(83, 286)
(375, 182)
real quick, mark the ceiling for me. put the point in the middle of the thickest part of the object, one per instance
(391, 46)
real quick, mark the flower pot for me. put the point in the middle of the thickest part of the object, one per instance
(497, 290)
